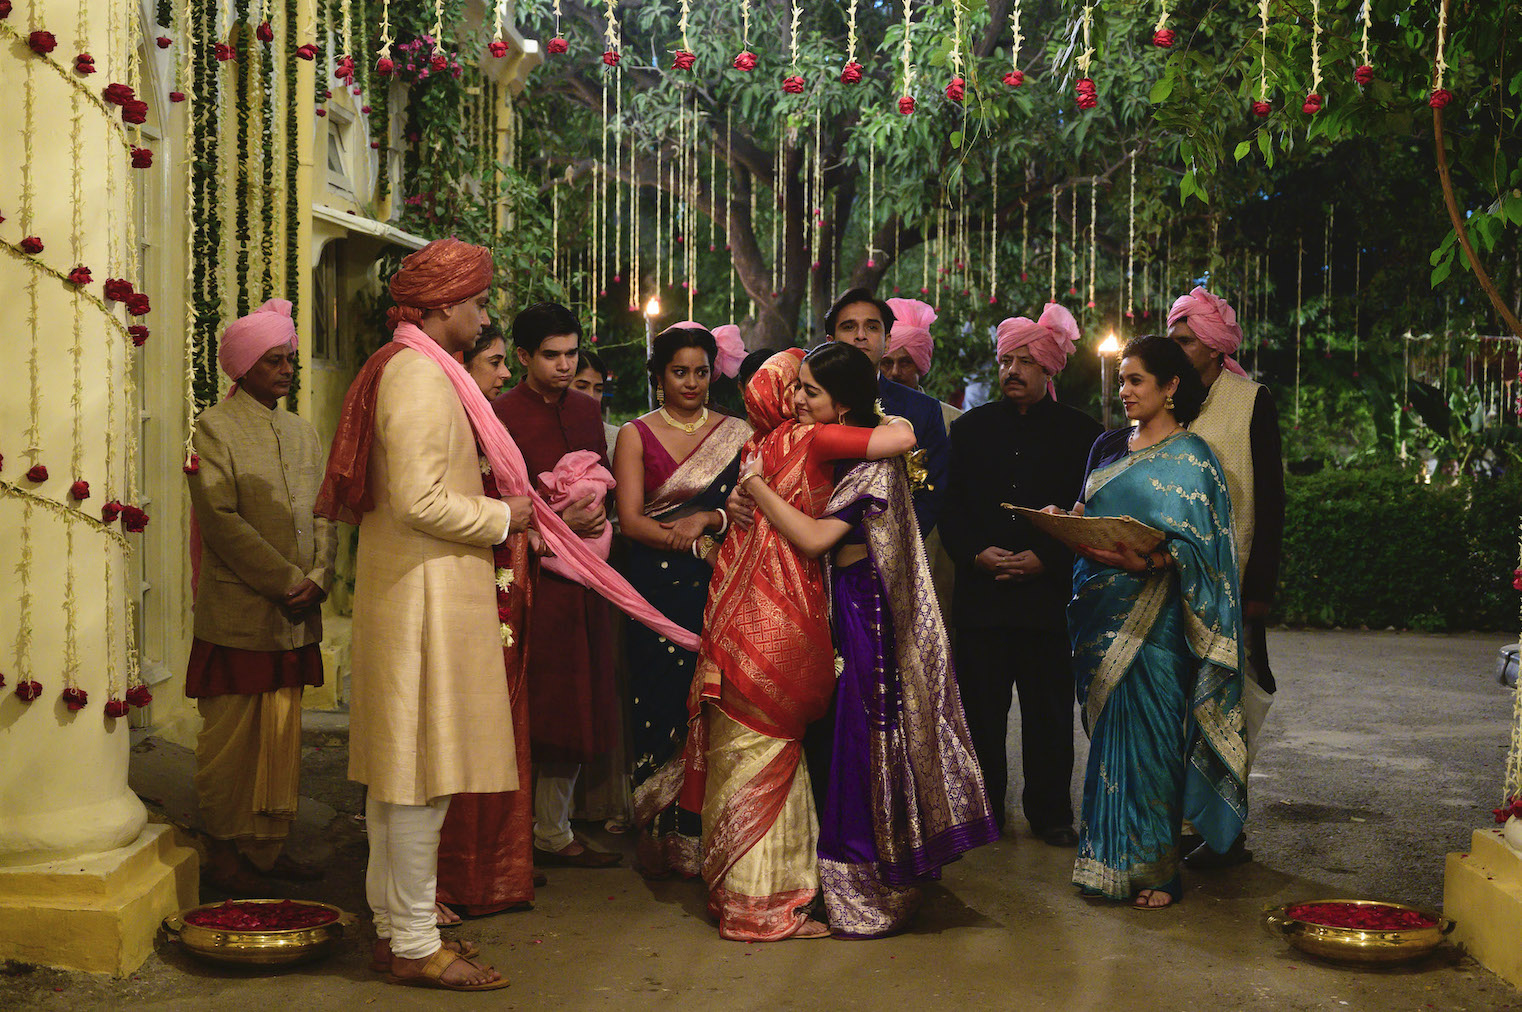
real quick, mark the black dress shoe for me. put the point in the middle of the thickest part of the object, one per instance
(1062, 836)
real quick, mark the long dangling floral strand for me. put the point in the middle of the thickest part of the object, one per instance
(906, 96)
(1314, 101)
(1015, 76)
(1440, 96)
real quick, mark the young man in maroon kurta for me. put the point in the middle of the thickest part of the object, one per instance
(573, 708)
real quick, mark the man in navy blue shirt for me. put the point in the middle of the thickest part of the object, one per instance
(861, 319)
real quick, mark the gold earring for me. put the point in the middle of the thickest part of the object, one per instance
(1168, 403)
(660, 396)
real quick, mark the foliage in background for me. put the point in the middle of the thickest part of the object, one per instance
(1380, 547)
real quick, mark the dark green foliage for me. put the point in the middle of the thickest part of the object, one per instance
(1380, 548)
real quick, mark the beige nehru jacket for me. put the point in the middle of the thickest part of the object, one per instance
(253, 495)
(429, 712)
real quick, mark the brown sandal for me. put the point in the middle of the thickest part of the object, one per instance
(432, 975)
(459, 946)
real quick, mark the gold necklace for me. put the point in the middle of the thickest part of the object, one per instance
(687, 427)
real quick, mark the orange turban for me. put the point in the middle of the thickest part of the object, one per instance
(446, 272)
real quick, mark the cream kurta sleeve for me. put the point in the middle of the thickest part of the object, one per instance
(415, 414)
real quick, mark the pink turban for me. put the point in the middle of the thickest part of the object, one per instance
(1213, 321)
(245, 340)
(731, 350)
(911, 331)
(1051, 339)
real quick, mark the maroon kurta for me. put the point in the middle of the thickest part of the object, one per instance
(571, 692)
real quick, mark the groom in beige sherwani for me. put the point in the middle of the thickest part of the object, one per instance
(430, 712)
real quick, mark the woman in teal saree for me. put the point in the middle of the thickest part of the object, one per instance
(1157, 650)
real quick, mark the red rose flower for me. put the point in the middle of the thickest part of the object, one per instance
(223, 52)
(164, 41)
(309, 52)
(133, 520)
(1088, 95)
(1312, 104)
(497, 48)
(1516, 579)
(42, 42)
(80, 276)
(28, 689)
(1440, 97)
(134, 111)
(118, 289)
(375, 145)
(322, 112)
(79, 491)
(142, 158)
(1363, 73)
(851, 74)
(1163, 38)
(683, 60)
(32, 245)
(139, 695)
(264, 33)
(327, 93)
(611, 57)
(139, 335)
(1261, 108)
(906, 104)
(956, 90)
(192, 464)
(1015, 78)
(110, 511)
(365, 109)
(116, 94)
(556, 46)
(84, 63)
(2, 679)
(75, 698)
(137, 304)
(439, 62)
(117, 708)
(37, 473)
(5, 12)
(793, 84)
(176, 96)
(384, 66)
(746, 61)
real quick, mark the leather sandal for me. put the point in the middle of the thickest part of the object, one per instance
(588, 858)
(432, 975)
(462, 948)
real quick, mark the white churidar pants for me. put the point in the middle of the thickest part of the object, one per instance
(554, 794)
(402, 878)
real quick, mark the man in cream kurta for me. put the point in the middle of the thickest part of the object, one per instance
(1241, 424)
(430, 713)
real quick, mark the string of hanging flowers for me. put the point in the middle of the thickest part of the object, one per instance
(556, 45)
(610, 55)
(1313, 100)
(683, 58)
(906, 98)
(1364, 72)
(1015, 76)
(1440, 96)
(956, 88)
(1261, 107)
(1162, 35)
(851, 73)
(746, 60)
(793, 84)
(1088, 95)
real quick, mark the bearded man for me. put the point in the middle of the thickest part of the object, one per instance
(430, 713)
(1013, 583)
(1241, 424)
(262, 566)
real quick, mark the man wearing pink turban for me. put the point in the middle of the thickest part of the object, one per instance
(1009, 606)
(263, 566)
(1241, 423)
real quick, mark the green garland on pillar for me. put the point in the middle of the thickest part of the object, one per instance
(292, 205)
(206, 307)
(245, 42)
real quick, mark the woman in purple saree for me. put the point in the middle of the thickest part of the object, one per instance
(905, 795)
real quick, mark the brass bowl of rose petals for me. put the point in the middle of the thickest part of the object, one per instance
(259, 932)
(1359, 931)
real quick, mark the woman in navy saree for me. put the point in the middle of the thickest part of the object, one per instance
(1157, 648)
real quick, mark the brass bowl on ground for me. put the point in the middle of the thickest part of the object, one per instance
(1359, 945)
(258, 948)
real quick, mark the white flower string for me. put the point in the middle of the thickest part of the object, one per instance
(955, 56)
(1440, 65)
(1075, 242)
(1367, 15)
(24, 599)
(745, 26)
(681, 22)
(76, 397)
(438, 24)
(1315, 47)
(501, 18)
(851, 34)
(729, 133)
(993, 240)
(1093, 236)
(187, 23)
(907, 57)
(385, 31)
(1326, 292)
(610, 28)
(1014, 49)
(28, 190)
(1131, 244)
(1162, 20)
(793, 41)
(1052, 297)
(346, 20)
(1299, 302)
(871, 200)
(1086, 56)
(1263, 51)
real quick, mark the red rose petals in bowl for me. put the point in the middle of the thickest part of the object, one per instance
(259, 932)
(1359, 931)
(287, 915)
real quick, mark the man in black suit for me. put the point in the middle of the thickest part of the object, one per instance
(1009, 606)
